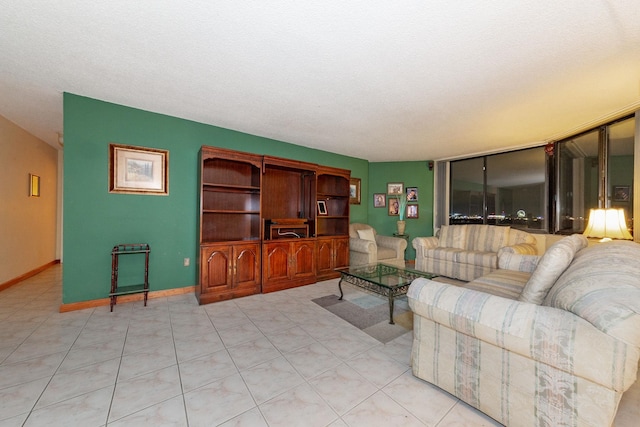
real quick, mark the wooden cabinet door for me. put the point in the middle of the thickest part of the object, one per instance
(331, 253)
(302, 257)
(246, 265)
(341, 252)
(324, 257)
(216, 272)
(276, 262)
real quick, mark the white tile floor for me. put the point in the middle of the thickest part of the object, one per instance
(264, 360)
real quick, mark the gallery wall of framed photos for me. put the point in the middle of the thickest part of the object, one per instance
(414, 182)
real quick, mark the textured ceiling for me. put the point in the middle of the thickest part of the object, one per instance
(373, 79)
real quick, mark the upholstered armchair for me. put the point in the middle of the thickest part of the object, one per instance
(367, 247)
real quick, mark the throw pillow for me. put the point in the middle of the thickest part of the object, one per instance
(366, 234)
(551, 265)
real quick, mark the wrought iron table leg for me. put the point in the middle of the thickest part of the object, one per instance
(340, 287)
(391, 308)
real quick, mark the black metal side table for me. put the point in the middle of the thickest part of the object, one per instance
(402, 236)
(128, 249)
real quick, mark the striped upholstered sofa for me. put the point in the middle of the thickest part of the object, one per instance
(561, 351)
(468, 251)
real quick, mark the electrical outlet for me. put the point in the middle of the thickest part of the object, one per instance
(186, 262)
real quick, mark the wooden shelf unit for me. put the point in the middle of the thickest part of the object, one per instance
(230, 226)
(332, 229)
(259, 230)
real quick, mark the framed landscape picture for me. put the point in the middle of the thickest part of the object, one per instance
(354, 191)
(138, 170)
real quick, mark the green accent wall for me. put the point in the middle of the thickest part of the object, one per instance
(411, 174)
(96, 220)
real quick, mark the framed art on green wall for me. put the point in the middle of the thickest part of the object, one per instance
(395, 188)
(354, 191)
(138, 170)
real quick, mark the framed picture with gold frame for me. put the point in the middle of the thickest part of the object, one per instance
(138, 170)
(34, 185)
(354, 191)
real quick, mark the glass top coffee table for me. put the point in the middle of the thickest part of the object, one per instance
(382, 279)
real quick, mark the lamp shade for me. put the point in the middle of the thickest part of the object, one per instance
(607, 224)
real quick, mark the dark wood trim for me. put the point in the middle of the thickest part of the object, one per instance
(26, 275)
(64, 308)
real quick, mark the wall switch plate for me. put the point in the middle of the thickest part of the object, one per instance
(187, 262)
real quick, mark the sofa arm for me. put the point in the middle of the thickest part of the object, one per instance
(362, 251)
(396, 243)
(547, 335)
(520, 248)
(425, 242)
(421, 244)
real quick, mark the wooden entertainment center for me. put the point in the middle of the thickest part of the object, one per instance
(260, 228)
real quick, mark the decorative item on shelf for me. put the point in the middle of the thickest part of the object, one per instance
(607, 224)
(402, 210)
(322, 207)
(401, 226)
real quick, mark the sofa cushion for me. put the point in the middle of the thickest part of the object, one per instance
(367, 234)
(502, 283)
(487, 238)
(443, 254)
(550, 266)
(517, 262)
(480, 258)
(453, 236)
(518, 237)
(601, 286)
(386, 253)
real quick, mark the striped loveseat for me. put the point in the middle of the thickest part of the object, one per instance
(560, 353)
(468, 251)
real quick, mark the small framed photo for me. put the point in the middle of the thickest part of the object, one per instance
(34, 185)
(322, 207)
(138, 170)
(379, 200)
(354, 191)
(394, 207)
(412, 194)
(621, 193)
(395, 188)
(412, 211)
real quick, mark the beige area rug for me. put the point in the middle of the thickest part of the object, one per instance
(370, 313)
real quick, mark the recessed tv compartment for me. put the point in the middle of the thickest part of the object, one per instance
(286, 228)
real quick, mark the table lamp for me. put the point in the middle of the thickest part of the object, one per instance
(607, 224)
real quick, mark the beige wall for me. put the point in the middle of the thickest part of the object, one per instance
(28, 225)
